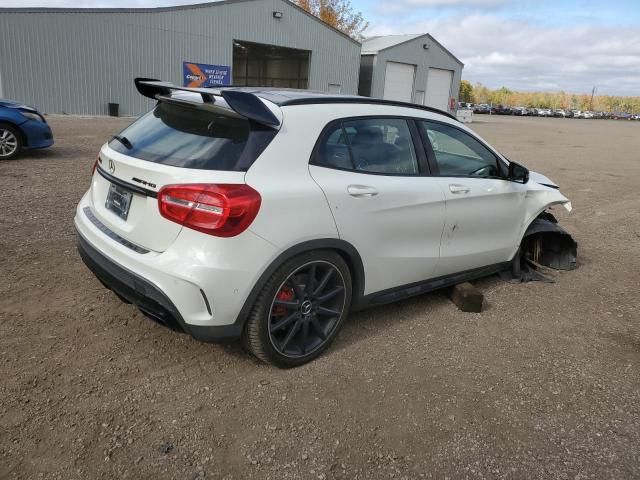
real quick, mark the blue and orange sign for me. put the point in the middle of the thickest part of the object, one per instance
(202, 75)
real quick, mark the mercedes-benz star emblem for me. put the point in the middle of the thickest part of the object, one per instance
(112, 166)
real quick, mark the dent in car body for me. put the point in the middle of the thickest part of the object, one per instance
(544, 242)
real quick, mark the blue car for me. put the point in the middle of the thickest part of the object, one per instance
(21, 128)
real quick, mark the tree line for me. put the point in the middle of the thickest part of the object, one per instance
(479, 93)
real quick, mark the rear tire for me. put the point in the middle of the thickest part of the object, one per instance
(10, 142)
(300, 310)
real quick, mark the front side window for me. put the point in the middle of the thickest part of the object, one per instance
(457, 153)
(371, 145)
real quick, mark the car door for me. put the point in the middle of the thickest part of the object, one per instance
(373, 177)
(484, 211)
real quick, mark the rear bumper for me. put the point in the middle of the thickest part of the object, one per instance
(154, 303)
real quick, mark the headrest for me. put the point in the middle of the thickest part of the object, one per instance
(368, 136)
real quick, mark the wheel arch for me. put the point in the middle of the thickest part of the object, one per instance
(536, 213)
(347, 251)
(23, 137)
(539, 198)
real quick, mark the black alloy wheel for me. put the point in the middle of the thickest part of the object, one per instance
(300, 310)
(306, 308)
(10, 142)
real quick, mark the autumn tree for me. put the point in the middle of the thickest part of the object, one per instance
(564, 100)
(481, 93)
(337, 13)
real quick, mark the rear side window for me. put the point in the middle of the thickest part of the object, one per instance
(371, 145)
(189, 137)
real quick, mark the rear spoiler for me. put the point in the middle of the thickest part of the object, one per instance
(243, 104)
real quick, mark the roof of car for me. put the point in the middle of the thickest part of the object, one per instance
(289, 96)
(245, 100)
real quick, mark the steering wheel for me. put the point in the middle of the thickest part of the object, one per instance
(361, 163)
(392, 152)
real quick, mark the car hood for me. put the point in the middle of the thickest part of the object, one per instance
(12, 104)
(542, 180)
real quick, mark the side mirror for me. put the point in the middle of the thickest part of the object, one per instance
(518, 173)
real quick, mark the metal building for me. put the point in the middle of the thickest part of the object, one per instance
(410, 68)
(78, 60)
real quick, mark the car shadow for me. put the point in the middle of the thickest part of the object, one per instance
(41, 153)
(37, 154)
(375, 321)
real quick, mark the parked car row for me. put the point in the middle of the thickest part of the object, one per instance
(484, 108)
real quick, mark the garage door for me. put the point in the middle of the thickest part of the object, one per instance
(439, 88)
(398, 81)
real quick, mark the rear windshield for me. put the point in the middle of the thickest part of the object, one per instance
(189, 137)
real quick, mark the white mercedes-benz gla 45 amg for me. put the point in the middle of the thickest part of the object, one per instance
(267, 215)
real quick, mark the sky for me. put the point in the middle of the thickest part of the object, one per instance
(526, 45)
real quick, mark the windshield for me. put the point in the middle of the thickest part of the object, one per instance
(191, 137)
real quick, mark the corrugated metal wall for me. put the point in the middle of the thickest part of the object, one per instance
(413, 52)
(76, 61)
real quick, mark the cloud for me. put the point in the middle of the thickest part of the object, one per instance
(400, 9)
(529, 55)
(96, 3)
(456, 3)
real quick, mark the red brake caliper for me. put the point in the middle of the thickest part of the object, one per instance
(286, 294)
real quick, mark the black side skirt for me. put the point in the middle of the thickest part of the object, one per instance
(418, 288)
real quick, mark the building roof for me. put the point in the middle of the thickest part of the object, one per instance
(162, 9)
(374, 45)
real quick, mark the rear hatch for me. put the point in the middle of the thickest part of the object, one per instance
(177, 142)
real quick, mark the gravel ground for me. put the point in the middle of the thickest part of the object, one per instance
(542, 384)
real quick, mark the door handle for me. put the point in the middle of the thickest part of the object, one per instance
(361, 191)
(455, 188)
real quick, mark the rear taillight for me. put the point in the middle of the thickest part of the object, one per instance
(222, 210)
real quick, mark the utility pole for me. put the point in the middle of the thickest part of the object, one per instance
(593, 92)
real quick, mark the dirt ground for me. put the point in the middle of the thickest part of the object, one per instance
(543, 384)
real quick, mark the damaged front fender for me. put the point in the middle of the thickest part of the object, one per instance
(541, 194)
(544, 243)
(547, 243)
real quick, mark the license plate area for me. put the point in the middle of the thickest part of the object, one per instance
(119, 201)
